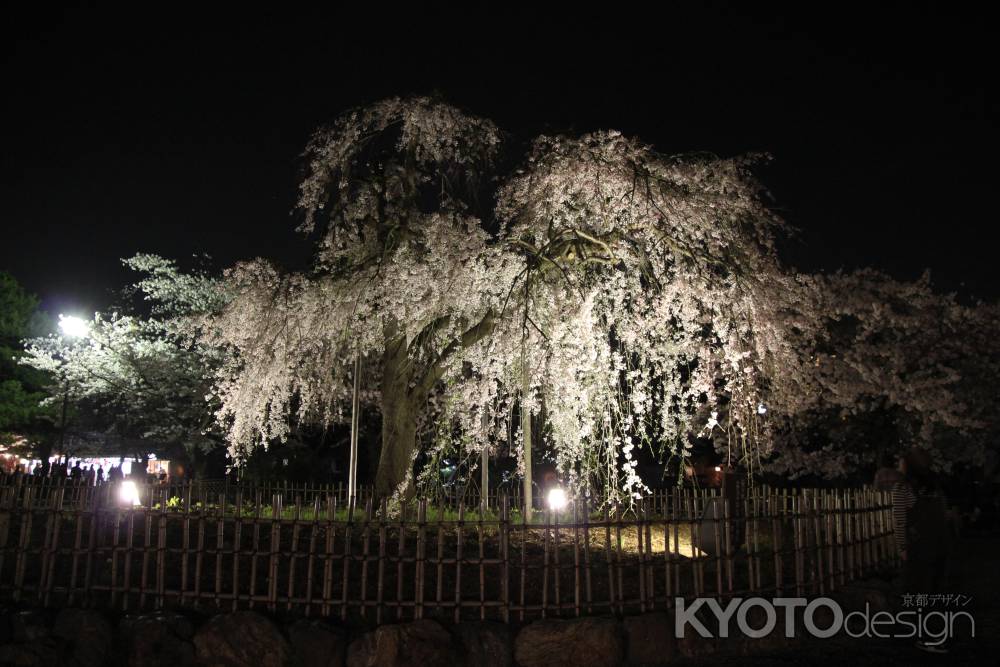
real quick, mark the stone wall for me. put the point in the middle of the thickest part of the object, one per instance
(90, 638)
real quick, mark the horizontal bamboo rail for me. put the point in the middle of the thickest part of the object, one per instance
(63, 545)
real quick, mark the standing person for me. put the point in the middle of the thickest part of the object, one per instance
(888, 474)
(100, 474)
(922, 531)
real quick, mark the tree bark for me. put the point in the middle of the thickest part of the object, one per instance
(399, 422)
(405, 389)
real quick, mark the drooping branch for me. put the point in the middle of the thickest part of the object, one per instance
(469, 337)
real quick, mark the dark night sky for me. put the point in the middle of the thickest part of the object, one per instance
(179, 132)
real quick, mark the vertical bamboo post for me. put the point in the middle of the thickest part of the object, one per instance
(576, 558)
(609, 561)
(505, 556)
(588, 576)
(641, 560)
(439, 581)
(311, 560)
(365, 556)
(185, 542)
(749, 521)
(22, 544)
(293, 550)
(697, 557)
(799, 564)
(45, 551)
(220, 543)
(675, 514)
(274, 551)
(459, 540)
(418, 611)
(238, 519)
(380, 581)
(482, 557)
(161, 553)
(524, 563)
(650, 566)
(147, 545)
(254, 554)
(668, 583)
(400, 554)
(556, 568)
(329, 534)
(346, 562)
(77, 549)
(620, 583)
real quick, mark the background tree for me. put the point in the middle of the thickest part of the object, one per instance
(883, 365)
(139, 381)
(24, 421)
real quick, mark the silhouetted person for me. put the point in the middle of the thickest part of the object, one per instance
(76, 473)
(922, 531)
(887, 475)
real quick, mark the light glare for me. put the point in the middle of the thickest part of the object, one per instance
(129, 493)
(74, 327)
(557, 499)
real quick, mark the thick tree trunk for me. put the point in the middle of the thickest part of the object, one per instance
(399, 441)
(399, 423)
(405, 389)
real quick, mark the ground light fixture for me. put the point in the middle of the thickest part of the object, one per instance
(128, 493)
(557, 499)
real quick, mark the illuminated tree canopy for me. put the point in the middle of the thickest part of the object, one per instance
(627, 299)
(622, 282)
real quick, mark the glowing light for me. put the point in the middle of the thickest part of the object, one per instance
(128, 493)
(761, 409)
(74, 327)
(557, 499)
(718, 468)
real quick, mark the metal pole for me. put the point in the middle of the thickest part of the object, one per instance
(484, 480)
(352, 474)
(526, 434)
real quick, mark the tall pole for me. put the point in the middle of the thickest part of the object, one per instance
(484, 472)
(484, 482)
(526, 433)
(352, 473)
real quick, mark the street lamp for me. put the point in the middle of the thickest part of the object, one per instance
(73, 327)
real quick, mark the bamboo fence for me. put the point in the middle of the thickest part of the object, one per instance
(283, 550)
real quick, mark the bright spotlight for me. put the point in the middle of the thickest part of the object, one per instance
(557, 499)
(128, 493)
(74, 327)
